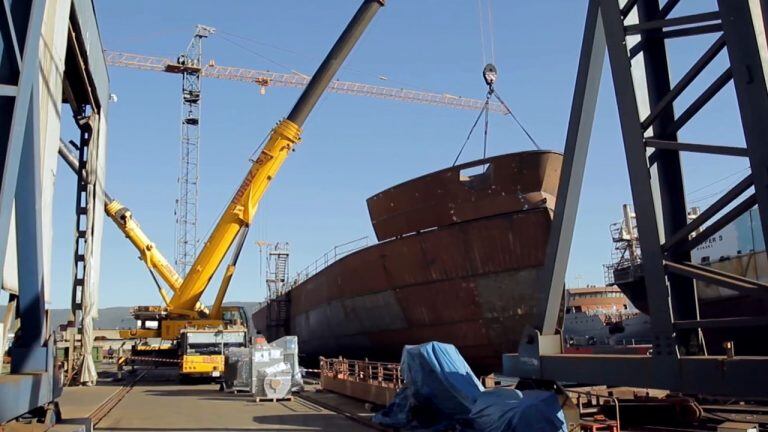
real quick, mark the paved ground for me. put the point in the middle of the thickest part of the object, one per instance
(338, 402)
(158, 403)
(79, 402)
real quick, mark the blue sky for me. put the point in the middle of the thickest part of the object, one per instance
(352, 147)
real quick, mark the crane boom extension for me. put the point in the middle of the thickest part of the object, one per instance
(284, 136)
(123, 218)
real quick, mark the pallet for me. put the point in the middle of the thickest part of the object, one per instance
(272, 399)
(591, 426)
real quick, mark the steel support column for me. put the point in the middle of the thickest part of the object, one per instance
(744, 25)
(31, 381)
(635, 34)
(572, 175)
(32, 65)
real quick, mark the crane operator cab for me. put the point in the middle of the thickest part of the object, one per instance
(202, 350)
(196, 346)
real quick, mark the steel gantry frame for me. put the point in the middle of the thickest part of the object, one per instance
(189, 65)
(634, 35)
(50, 55)
(84, 87)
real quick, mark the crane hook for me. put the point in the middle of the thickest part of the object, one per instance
(489, 74)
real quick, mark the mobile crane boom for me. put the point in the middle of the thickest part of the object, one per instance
(242, 208)
(123, 218)
(184, 320)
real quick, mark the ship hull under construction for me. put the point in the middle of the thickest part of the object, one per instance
(459, 266)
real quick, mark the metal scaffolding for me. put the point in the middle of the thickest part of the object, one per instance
(278, 309)
(634, 33)
(277, 269)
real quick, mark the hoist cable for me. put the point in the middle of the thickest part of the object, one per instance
(255, 53)
(482, 29)
(490, 32)
(474, 125)
(485, 132)
(533, 141)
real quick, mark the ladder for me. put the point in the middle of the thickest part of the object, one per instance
(83, 213)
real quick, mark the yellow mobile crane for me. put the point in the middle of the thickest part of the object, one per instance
(196, 330)
(195, 343)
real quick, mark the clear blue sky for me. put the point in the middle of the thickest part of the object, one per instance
(353, 147)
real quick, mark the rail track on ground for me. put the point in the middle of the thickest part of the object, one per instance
(102, 410)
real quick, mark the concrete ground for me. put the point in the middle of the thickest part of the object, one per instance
(337, 402)
(79, 402)
(158, 403)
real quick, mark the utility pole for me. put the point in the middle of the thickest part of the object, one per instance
(262, 244)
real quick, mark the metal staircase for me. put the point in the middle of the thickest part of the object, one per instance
(277, 269)
(278, 311)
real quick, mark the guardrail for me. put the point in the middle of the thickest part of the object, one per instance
(375, 382)
(328, 258)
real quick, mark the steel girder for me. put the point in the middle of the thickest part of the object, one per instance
(32, 68)
(31, 382)
(634, 34)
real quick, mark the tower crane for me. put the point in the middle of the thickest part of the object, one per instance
(265, 79)
(190, 66)
(201, 335)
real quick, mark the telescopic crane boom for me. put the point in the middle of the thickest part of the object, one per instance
(123, 219)
(183, 319)
(242, 208)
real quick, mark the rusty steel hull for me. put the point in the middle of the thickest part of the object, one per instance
(459, 263)
(472, 284)
(509, 183)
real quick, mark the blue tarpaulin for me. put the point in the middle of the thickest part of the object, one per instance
(510, 410)
(440, 389)
(441, 393)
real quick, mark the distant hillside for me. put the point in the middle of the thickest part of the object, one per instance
(120, 317)
(109, 318)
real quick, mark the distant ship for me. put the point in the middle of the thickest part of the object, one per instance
(603, 320)
(737, 249)
(458, 260)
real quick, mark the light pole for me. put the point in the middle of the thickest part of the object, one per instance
(262, 244)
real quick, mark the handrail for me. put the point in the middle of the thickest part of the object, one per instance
(377, 373)
(334, 254)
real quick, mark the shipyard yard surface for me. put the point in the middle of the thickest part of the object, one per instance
(158, 402)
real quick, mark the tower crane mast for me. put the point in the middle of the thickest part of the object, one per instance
(189, 65)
